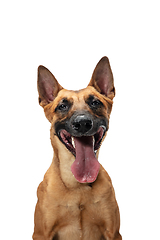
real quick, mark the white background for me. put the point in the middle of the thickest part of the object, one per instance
(69, 38)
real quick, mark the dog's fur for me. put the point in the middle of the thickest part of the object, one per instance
(67, 208)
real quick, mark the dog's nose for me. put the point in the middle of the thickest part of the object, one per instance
(82, 124)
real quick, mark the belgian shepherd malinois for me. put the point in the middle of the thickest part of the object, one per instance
(76, 199)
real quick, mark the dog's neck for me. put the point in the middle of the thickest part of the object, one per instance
(65, 170)
(64, 159)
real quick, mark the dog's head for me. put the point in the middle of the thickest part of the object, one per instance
(80, 119)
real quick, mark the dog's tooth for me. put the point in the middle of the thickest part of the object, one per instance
(93, 140)
(73, 142)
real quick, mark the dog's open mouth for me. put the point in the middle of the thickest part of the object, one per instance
(85, 167)
(69, 140)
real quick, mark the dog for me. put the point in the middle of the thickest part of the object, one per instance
(76, 199)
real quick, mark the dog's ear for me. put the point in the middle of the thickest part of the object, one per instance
(102, 78)
(48, 86)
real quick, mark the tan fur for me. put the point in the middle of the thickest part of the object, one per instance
(67, 209)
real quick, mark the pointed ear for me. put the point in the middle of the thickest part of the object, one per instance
(48, 86)
(102, 78)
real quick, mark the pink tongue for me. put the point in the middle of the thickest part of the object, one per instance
(85, 167)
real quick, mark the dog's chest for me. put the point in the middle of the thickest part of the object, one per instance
(80, 219)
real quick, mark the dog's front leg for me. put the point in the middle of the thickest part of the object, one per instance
(111, 236)
(111, 227)
(118, 236)
(42, 229)
(38, 224)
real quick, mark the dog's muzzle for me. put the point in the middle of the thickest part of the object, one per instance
(82, 135)
(85, 124)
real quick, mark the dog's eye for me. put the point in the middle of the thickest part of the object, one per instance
(63, 107)
(96, 103)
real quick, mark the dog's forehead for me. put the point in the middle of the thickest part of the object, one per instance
(79, 95)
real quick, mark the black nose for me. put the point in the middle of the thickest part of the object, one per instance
(82, 124)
